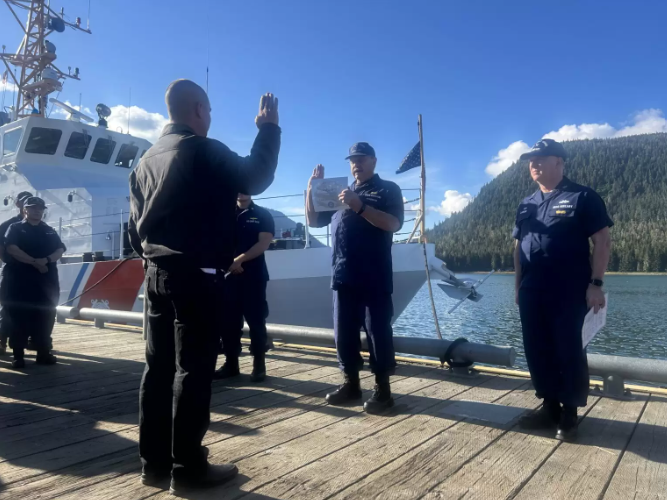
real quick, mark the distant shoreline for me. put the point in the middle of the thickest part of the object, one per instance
(607, 274)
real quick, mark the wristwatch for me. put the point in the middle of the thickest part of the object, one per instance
(361, 210)
(596, 282)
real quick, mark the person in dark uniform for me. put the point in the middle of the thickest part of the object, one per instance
(246, 286)
(362, 274)
(186, 256)
(20, 198)
(30, 289)
(557, 282)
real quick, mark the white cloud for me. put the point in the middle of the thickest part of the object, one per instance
(143, 124)
(453, 202)
(649, 121)
(505, 157)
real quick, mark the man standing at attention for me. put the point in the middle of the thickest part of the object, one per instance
(182, 213)
(246, 289)
(557, 282)
(362, 274)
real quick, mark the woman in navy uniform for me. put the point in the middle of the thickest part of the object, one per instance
(557, 282)
(362, 275)
(20, 198)
(29, 291)
(245, 289)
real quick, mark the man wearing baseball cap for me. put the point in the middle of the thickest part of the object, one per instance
(362, 274)
(30, 287)
(20, 198)
(557, 282)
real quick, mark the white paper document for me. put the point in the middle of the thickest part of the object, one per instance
(325, 193)
(593, 323)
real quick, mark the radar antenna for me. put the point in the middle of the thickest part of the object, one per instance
(35, 56)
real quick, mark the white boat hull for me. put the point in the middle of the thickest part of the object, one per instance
(299, 292)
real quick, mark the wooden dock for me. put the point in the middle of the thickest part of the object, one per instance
(70, 432)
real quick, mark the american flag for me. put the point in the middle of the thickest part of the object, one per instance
(412, 160)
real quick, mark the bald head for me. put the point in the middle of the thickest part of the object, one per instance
(188, 104)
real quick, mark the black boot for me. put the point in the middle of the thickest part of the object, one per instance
(45, 358)
(184, 481)
(160, 476)
(18, 362)
(568, 424)
(546, 417)
(381, 398)
(258, 368)
(229, 369)
(349, 391)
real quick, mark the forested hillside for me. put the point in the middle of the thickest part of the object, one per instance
(630, 173)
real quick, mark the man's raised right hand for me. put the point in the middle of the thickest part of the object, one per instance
(318, 173)
(268, 110)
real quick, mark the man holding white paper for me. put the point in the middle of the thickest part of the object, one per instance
(557, 282)
(372, 211)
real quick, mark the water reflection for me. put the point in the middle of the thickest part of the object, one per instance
(636, 323)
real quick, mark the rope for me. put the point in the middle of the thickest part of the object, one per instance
(430, 291)
(96, 284)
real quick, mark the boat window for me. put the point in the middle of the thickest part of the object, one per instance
(126, 155)
(10, 143)
(77, 146)
(43, 141)
(103, 150)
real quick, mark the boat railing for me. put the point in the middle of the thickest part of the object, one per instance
(117, 232)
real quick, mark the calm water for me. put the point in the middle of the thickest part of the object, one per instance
(636, 319)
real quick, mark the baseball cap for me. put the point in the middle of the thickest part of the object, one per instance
(34, 201)
(361, 149)
(546, 147)
(23, 195)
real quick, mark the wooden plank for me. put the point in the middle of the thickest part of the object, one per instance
(412, 395)
(581, 470)
(348, 466)
(440, 456)
(642, 472)
(107, 443)
(57, 484)
(40, 442)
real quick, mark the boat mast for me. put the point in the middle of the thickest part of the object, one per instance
(35, 56)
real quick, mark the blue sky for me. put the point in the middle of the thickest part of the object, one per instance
(484, 74)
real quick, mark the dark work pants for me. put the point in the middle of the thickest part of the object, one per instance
(181, 351)
(246, 299)
(353, 309)
(29, 301)
(552, 341)
(26, 320)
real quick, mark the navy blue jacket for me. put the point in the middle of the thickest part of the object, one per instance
(361, 253)
(554, 230)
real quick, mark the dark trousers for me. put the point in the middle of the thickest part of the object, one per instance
(552, 341)
(353, 309)
(246, 298)
(181, 352)
(29, 320)
(29, 301)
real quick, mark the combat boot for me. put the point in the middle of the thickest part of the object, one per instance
(568, 424)
(229, 369)
(184, 481)
(349, 391)
(381, 398)
(546, 417)
(258, 368)
(45, 358)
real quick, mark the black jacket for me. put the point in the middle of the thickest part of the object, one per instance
(183, 196)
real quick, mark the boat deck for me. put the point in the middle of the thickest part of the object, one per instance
(70, 432)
